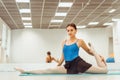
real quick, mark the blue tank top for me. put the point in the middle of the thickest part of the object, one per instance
(70, 51)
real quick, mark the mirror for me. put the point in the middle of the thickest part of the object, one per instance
(28, 30)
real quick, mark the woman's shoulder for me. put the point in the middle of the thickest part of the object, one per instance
(80, 40)
(64, 41)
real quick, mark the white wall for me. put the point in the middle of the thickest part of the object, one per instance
(5, 36)
(0, 38)
(99, 37)
(116, 41)
(31, 45)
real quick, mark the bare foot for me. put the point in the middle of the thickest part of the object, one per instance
(20, 70)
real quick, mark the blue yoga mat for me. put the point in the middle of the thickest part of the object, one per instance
(82, 74)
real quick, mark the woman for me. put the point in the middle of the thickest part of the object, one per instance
(73, 63)
(49, 58)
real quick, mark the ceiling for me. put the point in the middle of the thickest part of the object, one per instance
(43, 11)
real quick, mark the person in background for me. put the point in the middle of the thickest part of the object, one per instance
(49, 58)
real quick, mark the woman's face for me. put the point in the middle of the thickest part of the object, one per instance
(71, 31)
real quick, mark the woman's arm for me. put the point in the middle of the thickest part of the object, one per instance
(55, 59)
(61, 60)
(85, 47)
(62, 56)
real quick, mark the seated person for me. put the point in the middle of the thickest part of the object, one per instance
(110, 59)
(49, 58)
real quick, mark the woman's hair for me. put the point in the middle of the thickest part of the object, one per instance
(49, 53)
(72, 25)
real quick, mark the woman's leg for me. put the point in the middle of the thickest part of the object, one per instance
(94, 69)
(59, 69)
(100, 60)
(102, 67)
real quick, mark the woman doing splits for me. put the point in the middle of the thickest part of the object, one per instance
(74, 64)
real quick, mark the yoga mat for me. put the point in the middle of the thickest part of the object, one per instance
(81, 74)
